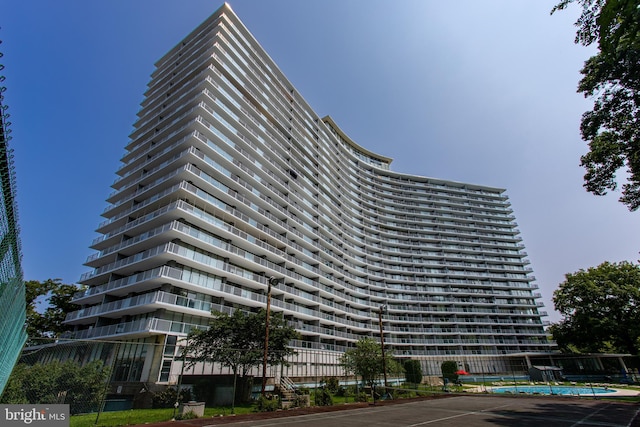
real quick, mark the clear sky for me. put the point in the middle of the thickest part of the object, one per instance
(472, 91)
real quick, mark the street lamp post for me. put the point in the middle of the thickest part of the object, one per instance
(383, 309)
(271, 282)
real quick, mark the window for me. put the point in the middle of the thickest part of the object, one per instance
(165, 370)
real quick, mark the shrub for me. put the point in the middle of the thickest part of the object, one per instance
(168, 397)
(332, 383)
(362, 397)
(349, 391)
(449, 369)
(267, 404)
(413, 371)
(300, 401)
(323, 397)
(81, 387)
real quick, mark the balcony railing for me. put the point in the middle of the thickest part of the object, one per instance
(139, 301)
(142, 326)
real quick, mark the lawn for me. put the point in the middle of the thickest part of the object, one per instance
(141, 416)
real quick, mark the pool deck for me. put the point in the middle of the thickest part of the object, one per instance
(623, 392)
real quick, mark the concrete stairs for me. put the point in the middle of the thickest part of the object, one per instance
(287, 391)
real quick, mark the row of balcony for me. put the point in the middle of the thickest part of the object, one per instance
(449, 279)
(185, 229)
(151, 326)
(148, 302)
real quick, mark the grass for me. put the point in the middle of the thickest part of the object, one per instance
(141, 416)
(122, 418)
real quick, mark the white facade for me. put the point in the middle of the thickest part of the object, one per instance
(230, 177)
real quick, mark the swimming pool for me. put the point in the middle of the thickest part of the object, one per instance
(553, 389)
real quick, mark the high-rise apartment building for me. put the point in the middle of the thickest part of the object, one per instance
(12, 298)
(230, 178)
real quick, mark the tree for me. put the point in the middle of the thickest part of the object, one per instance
(365, 360)
(47, 324)
(612, 77)
(35, 290)
(600, 309)
(59, 305)
(57, 296)
(237, 340)
(449, 369)
(413, 371)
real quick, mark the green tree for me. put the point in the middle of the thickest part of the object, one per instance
(600, 309)
(59, 306)
(237, 340)
(413, 371)
(35, 292)
(365, 359)
(56, 296)
(449, 369)
(612, 78)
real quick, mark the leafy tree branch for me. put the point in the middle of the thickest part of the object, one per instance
(612, 79)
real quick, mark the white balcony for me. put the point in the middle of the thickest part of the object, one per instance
(140, 304)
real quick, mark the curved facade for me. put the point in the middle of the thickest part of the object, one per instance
(230, 177)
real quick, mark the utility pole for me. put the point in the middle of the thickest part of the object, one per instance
(272, 281)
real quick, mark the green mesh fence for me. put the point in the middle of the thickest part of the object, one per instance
(12, 297)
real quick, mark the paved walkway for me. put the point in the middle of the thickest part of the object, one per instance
(467, 411)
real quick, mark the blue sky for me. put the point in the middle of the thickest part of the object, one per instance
(480, 92)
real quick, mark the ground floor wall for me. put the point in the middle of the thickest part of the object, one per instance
(135, 371)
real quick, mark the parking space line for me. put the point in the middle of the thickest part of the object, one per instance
(460, 415)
